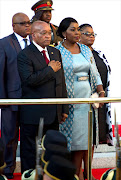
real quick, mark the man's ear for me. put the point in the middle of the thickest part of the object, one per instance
(33, 35)
(13, 25)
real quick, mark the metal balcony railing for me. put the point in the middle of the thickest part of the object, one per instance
(58, 101)
(73, 101)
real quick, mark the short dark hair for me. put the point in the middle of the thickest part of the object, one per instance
(83, 26)
(64, 24)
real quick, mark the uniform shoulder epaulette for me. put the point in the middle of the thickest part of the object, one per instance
(54, 26)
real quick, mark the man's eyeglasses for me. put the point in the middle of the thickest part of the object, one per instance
(24, 23)
(89, 34)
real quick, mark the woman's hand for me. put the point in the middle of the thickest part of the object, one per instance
(101, 94)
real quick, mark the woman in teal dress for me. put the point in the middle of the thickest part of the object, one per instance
(82, 80)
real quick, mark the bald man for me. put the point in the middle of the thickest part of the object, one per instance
(42, 76)
(10, 86)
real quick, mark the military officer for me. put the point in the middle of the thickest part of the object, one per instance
(42, 10)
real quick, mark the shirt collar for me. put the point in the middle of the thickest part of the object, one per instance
(39, 47)
(20, 38)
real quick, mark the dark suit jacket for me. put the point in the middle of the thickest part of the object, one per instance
(10, 86)
(40, 81)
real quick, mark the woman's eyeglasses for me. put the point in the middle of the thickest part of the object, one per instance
(89, 34)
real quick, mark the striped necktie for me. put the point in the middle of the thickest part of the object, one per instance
(25, 41)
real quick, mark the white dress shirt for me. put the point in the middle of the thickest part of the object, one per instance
(20, 40)
(41, 49)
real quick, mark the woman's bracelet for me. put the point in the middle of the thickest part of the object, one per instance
(101, 92)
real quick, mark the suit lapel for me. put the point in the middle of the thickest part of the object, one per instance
(16, 43)
(51, 53)
(38, 54)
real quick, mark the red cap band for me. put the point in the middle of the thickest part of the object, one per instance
(42, 5)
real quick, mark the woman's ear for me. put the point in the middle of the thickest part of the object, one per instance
(64, 34)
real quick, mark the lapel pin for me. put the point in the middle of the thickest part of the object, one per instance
(51, 52)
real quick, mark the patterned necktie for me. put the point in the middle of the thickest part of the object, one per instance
(25, 41)
(45, 57)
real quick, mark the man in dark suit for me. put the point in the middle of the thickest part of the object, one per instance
(10, 87)
(40, 79)
(43, 11)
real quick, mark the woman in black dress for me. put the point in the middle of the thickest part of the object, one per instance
(104, 114)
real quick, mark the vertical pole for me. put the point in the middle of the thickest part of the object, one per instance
(118, 150)
(118, 163)
(90, 122)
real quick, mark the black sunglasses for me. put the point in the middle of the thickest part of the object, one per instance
(24, 23)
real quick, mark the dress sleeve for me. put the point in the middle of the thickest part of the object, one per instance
(99, 81)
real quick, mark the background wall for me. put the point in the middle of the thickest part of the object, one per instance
(103, 15)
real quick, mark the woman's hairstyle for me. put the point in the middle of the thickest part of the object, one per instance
(64, 24)
(83, 26)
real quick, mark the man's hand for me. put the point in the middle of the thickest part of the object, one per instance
(55, 65)
(64, 116)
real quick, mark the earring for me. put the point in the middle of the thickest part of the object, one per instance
(79, 40)
(64, 39)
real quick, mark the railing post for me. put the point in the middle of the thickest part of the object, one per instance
(118, 163)
(90, 122)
